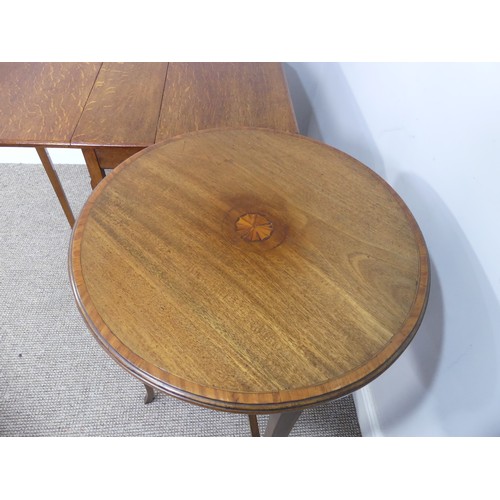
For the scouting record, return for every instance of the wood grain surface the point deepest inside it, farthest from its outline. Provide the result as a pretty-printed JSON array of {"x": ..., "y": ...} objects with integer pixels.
[
  {"x": 112, "y": 157},
  {"x": 42, "y": 102},
  {"x": 124, "y": 106},
  {"x": 210, "y": 95},
  {"x": 174, "y": 294}
]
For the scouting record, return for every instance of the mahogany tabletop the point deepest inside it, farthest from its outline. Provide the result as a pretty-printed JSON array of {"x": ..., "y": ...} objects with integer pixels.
[{"x": 249, "y": 270}]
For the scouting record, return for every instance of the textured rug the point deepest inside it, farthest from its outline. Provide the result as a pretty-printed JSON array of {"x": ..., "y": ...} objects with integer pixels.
[{"x": 55, "y": 380}]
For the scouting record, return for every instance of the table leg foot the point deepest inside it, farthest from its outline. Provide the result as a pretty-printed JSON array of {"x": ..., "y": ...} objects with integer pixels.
[
  {"x": 150, "y": 394},
  {"x": 254, "y": 425},
  {"x": 280, "y": 424}
]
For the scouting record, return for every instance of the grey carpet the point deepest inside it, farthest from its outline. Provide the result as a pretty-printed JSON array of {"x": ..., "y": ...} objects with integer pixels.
[{"x": 55, "y": 380}]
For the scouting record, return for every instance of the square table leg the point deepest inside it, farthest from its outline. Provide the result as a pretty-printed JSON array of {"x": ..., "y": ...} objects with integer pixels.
[
  {"x": 95, "y": 170},
  {"x": 56, "y": 184}
]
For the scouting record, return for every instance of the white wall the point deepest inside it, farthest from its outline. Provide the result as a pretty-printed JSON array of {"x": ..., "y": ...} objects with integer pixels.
[
  {"x": 432, "y": 131},
  {"x": 29, "y": 155}
]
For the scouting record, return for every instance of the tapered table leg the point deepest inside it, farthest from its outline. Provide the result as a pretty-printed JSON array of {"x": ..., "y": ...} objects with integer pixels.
[
  {"x": 150, "y": 394},
  {"x": 254, "y": 425},
  {"x": 280, "y": 424},
  {"x": 56, "y": 184}
]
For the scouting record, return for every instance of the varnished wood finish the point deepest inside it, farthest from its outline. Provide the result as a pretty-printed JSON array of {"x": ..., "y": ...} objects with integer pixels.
[
  {"x": 113, "y": 110},
  {"x": 124, "y": 106},
  {"x": 95, "y": 171},
  {"x": 174, "y": 294},
  {"x": 56, "y": 184},
  {"x": 254, "y": 227},
  {"x": 41, "y": 103},
  {"x": 254, "y": 425},
  {"x": 134, "y": 105},
  {"x": 210, "y": 95},
  {"x": 97, "y": 159},
  {"x": 112, "y": 157}
]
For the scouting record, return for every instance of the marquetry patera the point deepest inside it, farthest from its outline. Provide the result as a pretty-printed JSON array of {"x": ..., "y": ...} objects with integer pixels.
[
  {"x": 249, "y": 270},
  {"x": 254, "y": 227}
]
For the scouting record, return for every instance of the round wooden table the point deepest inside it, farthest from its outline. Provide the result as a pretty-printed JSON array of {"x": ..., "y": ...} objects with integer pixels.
[{"x": 249, "y": 270}]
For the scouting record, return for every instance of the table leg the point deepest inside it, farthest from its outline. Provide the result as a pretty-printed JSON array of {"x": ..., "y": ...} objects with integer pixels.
[
  {"x": 254, "y": 425},
  {"x": 280, "y": 424},
  {"x": 150, "y": 394},
  {"x": 56, "y": 184},
  {"x": 95, "y": 170}
]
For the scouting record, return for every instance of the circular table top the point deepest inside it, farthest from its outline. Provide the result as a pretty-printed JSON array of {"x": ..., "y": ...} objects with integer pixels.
[{"x": 249, "y": 270}]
